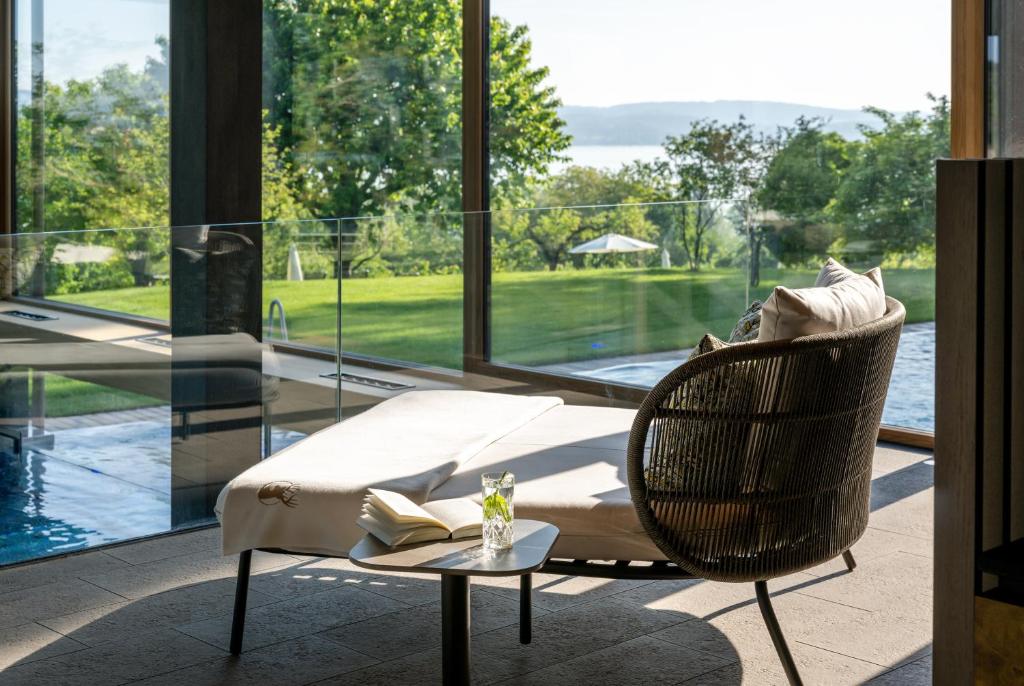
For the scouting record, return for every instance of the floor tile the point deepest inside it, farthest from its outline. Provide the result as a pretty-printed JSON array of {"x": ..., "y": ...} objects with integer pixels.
[
  {"x": 917, "y": 673},
  {"x": 57, "y": 569},
  {"x": 121, "y": 621},
  {"x": 284, "y": 620},
  {"x": 421, "y": 669},
  {"x": 115, "y": 663},
  {"x": 552, "y": 592},
  {"x": 311, "y": 576},
  {"x": 141, "y": 580},
  {"x": 899, "y": 584},
  {"x": 303, "y": 660},
  {"x": 29, "y": 642},
  {"x": 640, "y": 661},
  {"x": 876, "y": 543},
  {"x": 167, "y": 546},
  {"x": 572, "y": 632},
  {"x": 52, "y": 600},
  {"x": 418, "y": 628}
]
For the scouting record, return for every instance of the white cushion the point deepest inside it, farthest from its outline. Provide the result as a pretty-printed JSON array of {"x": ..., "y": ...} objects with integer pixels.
[
  {"x": 307, "y": 497},
  {"x": 840, "y": 300},
  {"x": 570, "y": 470}
]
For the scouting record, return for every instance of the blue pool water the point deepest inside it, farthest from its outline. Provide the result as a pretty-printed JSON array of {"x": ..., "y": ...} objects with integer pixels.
[
  {"x": 98, "y": 484},
  {"x": 911, "y": 400}
]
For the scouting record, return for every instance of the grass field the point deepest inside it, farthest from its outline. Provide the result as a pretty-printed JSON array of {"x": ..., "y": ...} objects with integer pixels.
[
  {"x": 69, "y": 397},
  {"x": 537, "y": 317}
]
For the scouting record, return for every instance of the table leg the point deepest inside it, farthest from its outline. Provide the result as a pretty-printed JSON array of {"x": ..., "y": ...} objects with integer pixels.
[
  {"x": 455, "y": 629},
  {"x": 525, "y": 608}
]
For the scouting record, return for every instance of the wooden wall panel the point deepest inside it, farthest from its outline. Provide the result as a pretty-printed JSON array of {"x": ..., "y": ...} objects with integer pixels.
[
  {"x": 998, "y": 652},
  {"x": 956, "y": 325},
  {"x": 992, "y": 306},
  {"x": 967, "y": 90},
  {"x": 1016, "y": 352}
]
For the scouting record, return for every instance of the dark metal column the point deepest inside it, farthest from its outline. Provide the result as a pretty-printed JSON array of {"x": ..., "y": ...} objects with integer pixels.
[
  {"x": 216, "y": 260},
  {"x": 476, "y": 182}
]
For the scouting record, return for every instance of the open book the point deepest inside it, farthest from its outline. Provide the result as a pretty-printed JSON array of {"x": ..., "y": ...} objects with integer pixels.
[{"x": 395, "y": 519}]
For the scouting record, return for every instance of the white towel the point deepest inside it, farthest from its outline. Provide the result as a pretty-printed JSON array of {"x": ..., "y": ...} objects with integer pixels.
[{"x": 306, "y": 498}]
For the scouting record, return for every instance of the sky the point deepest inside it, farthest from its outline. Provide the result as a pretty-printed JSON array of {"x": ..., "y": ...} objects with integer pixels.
[{"x": 887, "y": 53}]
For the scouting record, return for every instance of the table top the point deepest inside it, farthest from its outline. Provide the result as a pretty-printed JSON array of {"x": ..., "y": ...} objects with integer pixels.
[{"x": 464, "y": 556}]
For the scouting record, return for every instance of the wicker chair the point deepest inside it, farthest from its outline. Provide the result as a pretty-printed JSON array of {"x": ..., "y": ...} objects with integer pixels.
[{"x": 754, "y": 461}]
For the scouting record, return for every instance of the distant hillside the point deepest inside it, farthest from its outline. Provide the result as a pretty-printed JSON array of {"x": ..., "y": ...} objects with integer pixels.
[{"x": 648, "y": 123}]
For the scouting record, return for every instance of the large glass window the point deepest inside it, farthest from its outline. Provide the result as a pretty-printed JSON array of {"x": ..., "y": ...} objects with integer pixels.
[
  {"x": 363, "y": 104},
  {"x": 685, "y": 158},
  {"x": 92, "y": 114}
]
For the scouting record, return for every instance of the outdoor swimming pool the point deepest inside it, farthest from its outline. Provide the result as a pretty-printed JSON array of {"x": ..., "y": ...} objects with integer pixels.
[{"x": 911, "y": 401}]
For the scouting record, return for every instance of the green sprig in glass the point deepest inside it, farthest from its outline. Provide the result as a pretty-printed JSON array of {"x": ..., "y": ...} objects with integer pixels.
[{"x": 499, "y": 511}]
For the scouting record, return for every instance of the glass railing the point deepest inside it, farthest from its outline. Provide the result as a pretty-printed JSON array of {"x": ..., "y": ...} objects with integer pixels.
[
  {"x": 620, "y": 294},
  {"x": 141, "y": 369},
  {"x": 137, "y": 374}
]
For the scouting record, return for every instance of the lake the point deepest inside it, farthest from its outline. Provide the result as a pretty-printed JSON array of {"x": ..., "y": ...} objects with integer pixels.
[{"x": 607, "y": 156}]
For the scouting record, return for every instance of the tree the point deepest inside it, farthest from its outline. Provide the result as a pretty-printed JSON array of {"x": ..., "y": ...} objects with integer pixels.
[
  {"x": 797, "y": 194},
  {"x": 886, "y": 198},
  {"x": 712, "y": 166},
  {"x": 366, "y": 95},
  {"x": 107, "y": 166},
  {"x": 577, "y": 205}
]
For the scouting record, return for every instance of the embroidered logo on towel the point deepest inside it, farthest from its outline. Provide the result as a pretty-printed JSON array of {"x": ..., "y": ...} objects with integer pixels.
[{"x": 284, "y": 492}]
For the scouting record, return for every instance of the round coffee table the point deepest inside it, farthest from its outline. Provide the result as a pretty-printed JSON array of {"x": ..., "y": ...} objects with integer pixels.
[{"x": 456, "y": 561}]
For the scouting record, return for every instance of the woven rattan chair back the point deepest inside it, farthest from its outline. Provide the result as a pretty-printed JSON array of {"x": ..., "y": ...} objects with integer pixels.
[{"x": 754, "y": 461}]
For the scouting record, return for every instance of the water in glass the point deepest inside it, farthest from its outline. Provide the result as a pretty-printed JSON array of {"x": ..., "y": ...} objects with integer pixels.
[{"x": 499, "y": 511}]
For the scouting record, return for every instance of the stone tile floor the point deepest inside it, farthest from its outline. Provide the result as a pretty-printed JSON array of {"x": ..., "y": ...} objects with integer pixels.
[{"x": 159, "y": 611}]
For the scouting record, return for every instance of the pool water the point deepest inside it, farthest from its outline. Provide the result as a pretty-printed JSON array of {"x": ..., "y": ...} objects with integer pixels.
[
  {"x": 98, "y": 484},
  {"x": 911, "y": 399}
]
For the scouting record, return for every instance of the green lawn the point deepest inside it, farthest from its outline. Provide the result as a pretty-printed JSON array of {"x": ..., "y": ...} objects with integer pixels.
[
  {"x": 537, "y": 317},
  {"x": 69, "y": 397}
]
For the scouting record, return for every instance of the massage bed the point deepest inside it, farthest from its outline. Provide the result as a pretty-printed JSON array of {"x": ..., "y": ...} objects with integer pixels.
[{"x": 569, "y": 463}]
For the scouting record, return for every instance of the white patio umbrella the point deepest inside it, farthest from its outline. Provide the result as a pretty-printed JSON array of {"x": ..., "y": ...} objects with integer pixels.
[{"x": 612, "y": 243}]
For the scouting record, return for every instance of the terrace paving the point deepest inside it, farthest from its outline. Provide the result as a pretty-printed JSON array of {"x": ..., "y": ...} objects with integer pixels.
[{"x": 158, "y": 612}]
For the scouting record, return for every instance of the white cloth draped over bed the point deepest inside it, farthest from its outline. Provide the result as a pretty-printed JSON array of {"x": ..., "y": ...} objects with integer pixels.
[{"x": 306, "y": 498}]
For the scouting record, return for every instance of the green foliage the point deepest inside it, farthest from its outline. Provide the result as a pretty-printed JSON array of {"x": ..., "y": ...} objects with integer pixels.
[
  {"x": 886, "y": 198},
  {"x": 797, "y": 193},
  {"x": 91, "y": 276},
  {"x": 710, "y": 168},
  {"x": 804, "y": 174},
  {"x": 367, "y": 97},
  {"x": 577, "y": 205}
]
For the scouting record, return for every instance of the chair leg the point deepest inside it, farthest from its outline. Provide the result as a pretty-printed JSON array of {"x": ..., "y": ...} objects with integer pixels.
[
  {"x": 851, "y": 564},
  {"x": 525, "y": 608},
  {"x": 768, "y": 614},
  {"x": 241, "y": 595}
]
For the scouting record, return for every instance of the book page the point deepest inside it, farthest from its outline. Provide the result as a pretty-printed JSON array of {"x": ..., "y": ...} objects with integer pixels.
[
  {"x": 461, "y": 516},
  {"x": 399, "y": 509},
  {"x": 392, "y": 536}
]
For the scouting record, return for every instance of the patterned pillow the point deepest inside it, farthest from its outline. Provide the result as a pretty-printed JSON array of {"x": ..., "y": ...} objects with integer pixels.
[
  {"x": 748, "y": 326},
  {"x": 709, "y": 343}
]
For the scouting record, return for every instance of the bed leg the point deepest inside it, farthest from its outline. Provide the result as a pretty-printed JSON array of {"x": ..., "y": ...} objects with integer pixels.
[
  {"x": 525, "y": 608},
  {"x": 241, "y": 594}
]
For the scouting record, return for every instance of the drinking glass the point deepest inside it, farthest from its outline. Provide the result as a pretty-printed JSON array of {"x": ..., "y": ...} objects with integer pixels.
[{"x": 499, "y": 511}]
